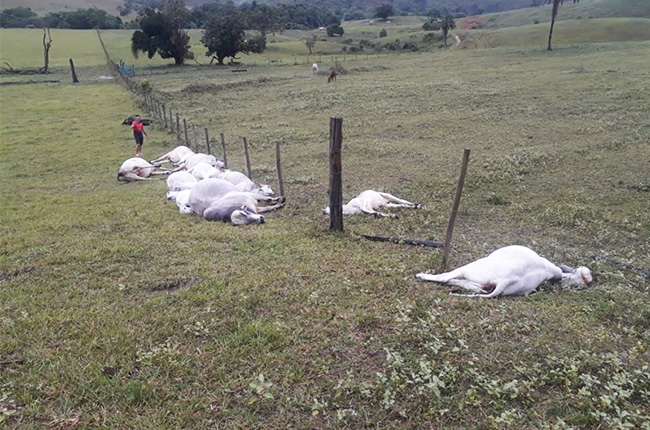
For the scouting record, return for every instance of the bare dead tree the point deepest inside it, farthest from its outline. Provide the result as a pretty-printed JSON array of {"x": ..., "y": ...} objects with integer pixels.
[{"x": 47, "y": 44}]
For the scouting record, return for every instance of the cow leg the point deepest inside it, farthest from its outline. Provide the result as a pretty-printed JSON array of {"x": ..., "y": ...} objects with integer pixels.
[
  {"x": 396, "y": 202},
  {"x": 377, "y": 214},
  {"x": 161, "y": 172},
  {"x": 262, "y": 209}
]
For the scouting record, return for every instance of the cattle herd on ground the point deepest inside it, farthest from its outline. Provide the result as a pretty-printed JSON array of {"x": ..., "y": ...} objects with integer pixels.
[{"x": 200, "y": 184}]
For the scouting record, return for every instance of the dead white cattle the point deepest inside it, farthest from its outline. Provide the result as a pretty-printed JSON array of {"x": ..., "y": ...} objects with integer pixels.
[
  {"x": 179, "y": 181},
  {"x": 174, "y": 156},
  {"x": 244, "y": 183},
  {"x": 314, "y": 68},
  {"x": 191, "y": 160},
  {"x": 208, "y": 198},
  {"x": 204, "y": 170},
  {"x": 510, "y": 271},
  {"x": 368, "y": 202},
  {"x": 182, "y": 199},
  {"x": 238, "y": 208},
  {"x": 138, "y": 169}
]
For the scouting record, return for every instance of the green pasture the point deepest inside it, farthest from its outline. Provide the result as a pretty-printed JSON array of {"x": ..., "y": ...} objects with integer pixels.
[
  {"x": 118, "y": 312},
  {"x": 586, "y": 9}
]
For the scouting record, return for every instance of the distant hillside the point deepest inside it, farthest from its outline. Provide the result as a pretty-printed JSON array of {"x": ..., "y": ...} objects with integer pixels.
[
  {"x": 586, "y": 9},
  {"x": 42, "y": 7},
  {"x": 411, "y": 6},
  {"x": 519, "y": 12}
]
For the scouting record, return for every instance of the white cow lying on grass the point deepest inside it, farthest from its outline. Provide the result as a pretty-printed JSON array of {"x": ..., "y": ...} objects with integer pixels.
[
  {"x": 174, "y": 156},
  {"x": 179, "y": 181},
  {"x": 205, "y": 170},
  {"x": 368, "y": 202},
  {"x": 138, "y": 169},
  {"x": 219, "y": 200},
  {"x": 244, "y": 183},
  {"x": 182, "y": 199},
  {"x": 509, "y": 271},
  {"x": 191, "y": 160}
]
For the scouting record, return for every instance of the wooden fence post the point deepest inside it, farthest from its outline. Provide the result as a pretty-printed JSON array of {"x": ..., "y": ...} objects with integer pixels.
[
  {"x": 454, "y": 210},
  {"x": 74, "y": 74},
  {"x": 187, "y": 139},
  {"x": 248, "y": 160},
  {"x": 171, "y": 120},
  {"x": 223, "y": 149},
  {"x": 164, "y": 115},
  {"x": 196, "y": 139},
  {"x": 336, "y": 183},
  {"x": 278, "y": 167},
  {"x": 178, "y": 126},
  {"x": 207, "y": 141}
]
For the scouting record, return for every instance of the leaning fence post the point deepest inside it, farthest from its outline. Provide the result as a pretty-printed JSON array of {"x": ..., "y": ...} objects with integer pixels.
[
  {"x": 248, "y": 160},
  {"x": 223, "y": 149},
  {"x": 207, "y": 141},
  {"x": 74, "y": 74},
  {"x": 164, "y": 115},
  {"x": 278, "y": 167},
  {"x": 336, "y": 183},
  {"x": 196, "y": 138},
  {"x": 454, "y": 210},
  {"x": 187, "y": 139}
]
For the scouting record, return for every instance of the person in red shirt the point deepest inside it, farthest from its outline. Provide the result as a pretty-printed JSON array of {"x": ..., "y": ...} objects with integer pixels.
[{"x": 138, "y": 134}]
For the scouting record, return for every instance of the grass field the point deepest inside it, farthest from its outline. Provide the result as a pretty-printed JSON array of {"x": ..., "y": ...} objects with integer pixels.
[{"x": 118, "y": 312}]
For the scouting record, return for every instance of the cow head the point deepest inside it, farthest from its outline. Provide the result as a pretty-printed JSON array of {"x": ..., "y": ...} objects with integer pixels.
[
  {"x": 244, "y": 216},
  {"x": 576, "y": 278}
]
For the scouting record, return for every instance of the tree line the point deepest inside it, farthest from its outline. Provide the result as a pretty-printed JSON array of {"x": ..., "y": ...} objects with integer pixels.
[
  {"x": 262, "y": 17},
  {"x": 82, "y": 19}
]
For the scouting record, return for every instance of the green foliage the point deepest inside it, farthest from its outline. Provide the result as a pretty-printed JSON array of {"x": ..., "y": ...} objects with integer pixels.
[
  {"x": 162, "y": 33},
  {"x": 335, "y": 30},
  {"x": 383, "y": 33},
  {"x": 19, "y": 17},
  {"x": 226, "y": 37},
  {"x": 384, "y": 11}
]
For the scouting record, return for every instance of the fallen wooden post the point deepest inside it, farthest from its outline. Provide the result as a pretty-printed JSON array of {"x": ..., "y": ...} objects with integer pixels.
[
  {"x": 417, "y": 242},
  {"x": 623, "y": 265}
]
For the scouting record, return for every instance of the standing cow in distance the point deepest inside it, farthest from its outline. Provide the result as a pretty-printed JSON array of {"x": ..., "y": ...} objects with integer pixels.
[{"x": 332, "y": 76}]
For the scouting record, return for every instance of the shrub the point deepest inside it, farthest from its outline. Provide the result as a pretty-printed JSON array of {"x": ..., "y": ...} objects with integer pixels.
[
  {"x": 410, "y": 46},
  {"x": 383, "y": 33}
]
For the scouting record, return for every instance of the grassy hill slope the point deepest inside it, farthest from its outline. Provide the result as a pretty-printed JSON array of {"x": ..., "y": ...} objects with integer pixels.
[{"x": 586, "y": 9}]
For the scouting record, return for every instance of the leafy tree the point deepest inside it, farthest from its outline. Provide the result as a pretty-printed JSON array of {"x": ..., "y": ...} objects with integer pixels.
[
  {"x": 310, "y": 41},
  {"x": 446, "y": 24},
  {"x": 335, "y": 29},
  {"x": 18, "y": 17},
  {"x": 263, "y": 18},
  {"x": 384, "y": 11},
  {"x": 556, "y": 6},
  {"x": 225, "y": 36},
  {"x": 162, "y": 33}
]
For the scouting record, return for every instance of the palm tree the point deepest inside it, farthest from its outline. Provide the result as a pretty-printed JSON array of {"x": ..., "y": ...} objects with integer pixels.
[
  {"x": 446, "y": 24},
  {"x": 556, "y": 6}
]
